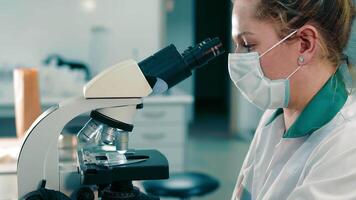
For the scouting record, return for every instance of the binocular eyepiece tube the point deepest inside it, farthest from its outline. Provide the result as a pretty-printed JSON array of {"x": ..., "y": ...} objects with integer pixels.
[{"x": 168, "y": 67}]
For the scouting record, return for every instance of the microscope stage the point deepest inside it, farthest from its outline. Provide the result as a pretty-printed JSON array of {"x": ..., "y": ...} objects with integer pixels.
[{"x": 141, "y": 165}]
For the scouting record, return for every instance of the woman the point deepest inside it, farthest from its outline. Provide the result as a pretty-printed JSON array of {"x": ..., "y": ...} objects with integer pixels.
[{"x": 289, "y": 62}]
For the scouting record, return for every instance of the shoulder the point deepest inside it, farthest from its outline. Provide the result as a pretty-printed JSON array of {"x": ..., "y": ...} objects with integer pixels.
[
  {"x": 339, "y": 146},
  {"x": 343, "y": 130},
  {"x": 330, "y": 169}
]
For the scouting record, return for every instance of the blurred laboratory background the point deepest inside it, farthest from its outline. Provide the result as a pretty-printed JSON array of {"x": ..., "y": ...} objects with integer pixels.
[{"x": 201, "y": 125}]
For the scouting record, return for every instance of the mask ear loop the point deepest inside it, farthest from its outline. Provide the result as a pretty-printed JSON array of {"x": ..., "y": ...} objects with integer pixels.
[
  {"x": 278, "y": 43},
  {"x": 300, "y": 60},
  {"x": 295, "y": 71}
]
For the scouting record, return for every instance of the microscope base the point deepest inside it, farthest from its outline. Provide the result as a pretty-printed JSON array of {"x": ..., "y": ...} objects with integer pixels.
[{"x": 124, "y": 190}]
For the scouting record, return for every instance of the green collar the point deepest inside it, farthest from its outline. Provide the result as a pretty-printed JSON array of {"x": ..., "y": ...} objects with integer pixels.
[{"x": 320, "y": 110}]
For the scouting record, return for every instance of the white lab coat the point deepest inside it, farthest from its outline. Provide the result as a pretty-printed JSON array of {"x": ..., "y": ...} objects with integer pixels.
[{"x": 319, "y": 166}]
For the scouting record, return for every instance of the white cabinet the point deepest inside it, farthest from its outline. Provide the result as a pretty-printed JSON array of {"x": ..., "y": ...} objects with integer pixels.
[
  {"x": 163, "y": 125},
  {"x": 8, "y": 187},
  {"x": 8, "y": 182}
]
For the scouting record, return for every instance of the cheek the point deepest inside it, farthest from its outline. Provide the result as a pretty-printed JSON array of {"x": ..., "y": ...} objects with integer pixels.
[
  {"x": 278, "y": 64},
  {"x": 271, "y": 67}
]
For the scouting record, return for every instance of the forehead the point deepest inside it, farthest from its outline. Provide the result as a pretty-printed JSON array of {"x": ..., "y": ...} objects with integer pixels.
[
  {"x": 246, "y": 7},
  {"x": 243, "y": 15}
]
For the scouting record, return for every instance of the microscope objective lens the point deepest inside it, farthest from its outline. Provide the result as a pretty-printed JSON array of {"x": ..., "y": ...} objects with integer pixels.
[
  {"x": 89, "y": 132},
  {"x": 108, "y": 135}
]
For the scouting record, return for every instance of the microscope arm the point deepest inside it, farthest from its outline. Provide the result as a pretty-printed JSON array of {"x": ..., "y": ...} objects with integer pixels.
[
  {"x": 38, "y": 158},
  {"x": 114, "y": 93},
  {"x": 122, "y": 80}
]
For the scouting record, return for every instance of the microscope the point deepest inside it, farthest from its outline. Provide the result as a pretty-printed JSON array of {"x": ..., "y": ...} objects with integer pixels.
[{"x": 104, "y": 159}]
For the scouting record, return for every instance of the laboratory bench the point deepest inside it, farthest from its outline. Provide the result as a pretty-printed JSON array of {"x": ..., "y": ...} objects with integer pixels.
[{"x": 162, "y": 124}]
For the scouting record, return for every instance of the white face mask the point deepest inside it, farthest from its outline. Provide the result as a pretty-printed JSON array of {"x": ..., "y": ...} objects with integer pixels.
[{"x": 246, "y": 73}]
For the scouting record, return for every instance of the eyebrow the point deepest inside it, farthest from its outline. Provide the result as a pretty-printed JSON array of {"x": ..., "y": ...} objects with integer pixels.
[
  {"x": 236, "y": 38},
  {"x": 244, "y": 33}
]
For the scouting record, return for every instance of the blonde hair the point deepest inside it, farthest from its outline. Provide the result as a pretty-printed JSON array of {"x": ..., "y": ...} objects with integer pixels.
[{"x": 333, "y": 18}]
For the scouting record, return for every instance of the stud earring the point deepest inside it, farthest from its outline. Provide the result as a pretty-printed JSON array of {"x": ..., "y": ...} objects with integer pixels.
[{"x": 301, "y": 59}]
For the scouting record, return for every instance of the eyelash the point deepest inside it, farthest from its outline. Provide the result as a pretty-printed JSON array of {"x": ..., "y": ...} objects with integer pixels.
[{"x": 248, "y": 47}]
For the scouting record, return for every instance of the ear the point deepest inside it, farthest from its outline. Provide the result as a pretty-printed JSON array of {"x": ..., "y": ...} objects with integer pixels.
[{"x": 308, "y": 36}]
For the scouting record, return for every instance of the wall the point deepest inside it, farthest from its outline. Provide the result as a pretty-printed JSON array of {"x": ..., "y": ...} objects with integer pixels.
[
  {"x": 97, "y": 32},
  {"x": 115, "y": 30},
  {"x": 351, "y": 50}
]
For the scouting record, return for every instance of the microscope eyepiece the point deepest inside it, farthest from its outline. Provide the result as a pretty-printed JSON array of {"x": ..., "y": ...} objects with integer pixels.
[
  {"x": 168, "y": 67},
  {"x": 204, "y": 52}
]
